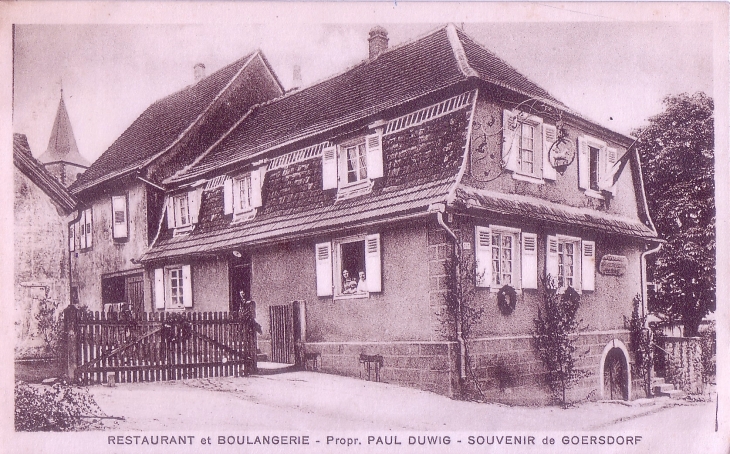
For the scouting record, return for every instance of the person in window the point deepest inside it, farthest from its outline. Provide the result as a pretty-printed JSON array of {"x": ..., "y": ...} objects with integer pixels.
[
  {"x": 349, "y": 285},
  {"x": 362, "y": 286}
]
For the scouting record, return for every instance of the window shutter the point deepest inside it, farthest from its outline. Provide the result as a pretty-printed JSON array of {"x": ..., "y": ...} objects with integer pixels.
[
  {"x": 551, "y": 258},
  {"x": 584, "y": 164},
  {"x": 119, "y": 216},
  {"x": 89, "y": 228},
  {"x": 373, "y": 263},
  {"x": 194, "y": 205},
  {"x": 187, "y": 287},
  {"x": 329, "y": 168},
  {"x": 159, "y": 288},
  {"x": 72, "y": 237},
  {"x": 549, "y": 136},
  {"x": 323, "y": 257},
  {"x": 588, "y": 265},
  {"x": 374, "y": 151},
  {"x": 510, "y": 146},
  {"x": 529, "y": 260},
  {"x": 82, "y": 230},
  {"x": 170, "y": 212},
  {"x": 228, "y": 196},
  {"x": 257, "y": 182},
  {"x": 611, "y": 158},
  {"x": 483, "y": 256}
]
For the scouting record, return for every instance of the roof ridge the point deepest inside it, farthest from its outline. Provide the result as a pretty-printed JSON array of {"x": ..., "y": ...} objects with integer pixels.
[{"x": 461, "y": 59}]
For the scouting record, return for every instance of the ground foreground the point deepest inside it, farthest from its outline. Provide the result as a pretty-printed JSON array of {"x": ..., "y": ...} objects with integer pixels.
[{"x": 326, "y": 408}]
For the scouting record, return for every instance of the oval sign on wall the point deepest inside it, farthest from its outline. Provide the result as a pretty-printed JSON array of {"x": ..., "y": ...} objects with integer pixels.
[{"x": 613, "y": 265}]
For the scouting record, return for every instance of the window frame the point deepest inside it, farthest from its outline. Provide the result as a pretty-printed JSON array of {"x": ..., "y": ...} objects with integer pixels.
[
  {"x": 337, "y": 266},
  {"x": 176, "y": 199},
  {"x": 169, "y": 305},
  {"x": 602, "y": 147},
  {"x": 577, "y": 262},
  {"x": 120, "y": 238},
  {"x": 238, "y": 206},
  {"x": 516, "y": 256},
  {"x": 514, "y": 138}
]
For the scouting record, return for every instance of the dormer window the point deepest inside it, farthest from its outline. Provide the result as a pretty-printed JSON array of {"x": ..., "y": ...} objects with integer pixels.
[
  {"x": 352, "y": 165},
  {"x": 182, "y": 210},
  {"x": 595, "y": 161},
  {"x": 526, "y": 142},
  {"x": 242, "y": 194}
]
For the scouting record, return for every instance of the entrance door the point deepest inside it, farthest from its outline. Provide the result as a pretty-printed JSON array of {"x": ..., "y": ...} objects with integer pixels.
[
  {"x": 239, "y": 275},
  {"x": 615, "y": 375},
  {"x": 281, "y": 327}
]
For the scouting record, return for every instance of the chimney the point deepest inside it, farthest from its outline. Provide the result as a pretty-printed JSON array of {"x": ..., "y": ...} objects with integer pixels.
[
  {"x": 378, "y": 41},
  {"x": 199, "y": 71},
  {"x": 297, "y": 78}
]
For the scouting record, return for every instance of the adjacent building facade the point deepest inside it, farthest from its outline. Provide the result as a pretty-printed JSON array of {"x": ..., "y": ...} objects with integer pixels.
[{"x": 354, "y": 195}]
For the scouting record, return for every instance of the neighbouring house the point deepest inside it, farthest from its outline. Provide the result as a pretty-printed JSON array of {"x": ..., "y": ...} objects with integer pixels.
[
  {"x": 349, "y": 196},
  {"x": 120, "y": 196},
  {"x": 41, "y": 211},
  {"x": 62, "y": 158}
]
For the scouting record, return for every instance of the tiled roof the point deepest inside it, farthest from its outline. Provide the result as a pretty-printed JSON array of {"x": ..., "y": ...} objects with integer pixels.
[
  {"x": 162, "y": 124},
  {"x": 420, "y": 166},
  {"x": 397, "y": 76},
  {"x": 24, "y": 161},
  {"x": 62, "y": 144},
  {"x": 534, "y": 209}
]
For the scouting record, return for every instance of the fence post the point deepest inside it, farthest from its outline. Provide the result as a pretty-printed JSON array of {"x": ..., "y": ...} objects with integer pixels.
[{"x": 70, "y": 325}]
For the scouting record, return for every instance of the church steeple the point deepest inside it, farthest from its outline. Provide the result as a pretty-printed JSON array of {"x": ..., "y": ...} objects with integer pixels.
[{"x": 62, "y": 157}]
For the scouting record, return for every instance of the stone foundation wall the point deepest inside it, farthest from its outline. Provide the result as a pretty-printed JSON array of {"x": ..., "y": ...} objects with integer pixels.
[
  {"x": 430, "y": 366},
  {"x": 684, "y": 363}
]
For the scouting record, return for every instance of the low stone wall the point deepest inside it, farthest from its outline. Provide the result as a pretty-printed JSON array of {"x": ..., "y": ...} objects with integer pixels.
[
  {"x": 506, "y": 368},
  {"x": 683, "y": 363},
  {"x": 429, "y": 366}
]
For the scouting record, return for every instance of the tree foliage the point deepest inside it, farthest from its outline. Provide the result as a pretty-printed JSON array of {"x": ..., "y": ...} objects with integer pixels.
[{"x": 677, "y": 155}]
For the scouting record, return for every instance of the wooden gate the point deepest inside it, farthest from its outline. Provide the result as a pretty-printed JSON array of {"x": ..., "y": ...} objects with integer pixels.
[
  {"x": 282, "y": 333},
  {"x": 159, "y": 346},
  {"x": 135, "y": 294}
]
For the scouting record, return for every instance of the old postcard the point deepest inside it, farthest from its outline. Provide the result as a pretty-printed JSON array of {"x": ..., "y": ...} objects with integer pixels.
[{"x": 365, "y": 227}]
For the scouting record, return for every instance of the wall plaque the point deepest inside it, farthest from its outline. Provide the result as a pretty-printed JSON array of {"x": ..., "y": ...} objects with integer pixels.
[{"x": 613, "y": 265}]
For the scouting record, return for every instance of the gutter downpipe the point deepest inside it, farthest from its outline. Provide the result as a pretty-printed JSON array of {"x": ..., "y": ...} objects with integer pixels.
[{"x": 439, "y": 209}]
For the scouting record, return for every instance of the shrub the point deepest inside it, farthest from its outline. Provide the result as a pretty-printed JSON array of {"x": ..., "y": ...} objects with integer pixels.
[
  {"x": 708, "y": 342},
  {"x": 56, "y": 408},
  {"x": 640, "y": 343},
  {"x": 49, "y": 325}
]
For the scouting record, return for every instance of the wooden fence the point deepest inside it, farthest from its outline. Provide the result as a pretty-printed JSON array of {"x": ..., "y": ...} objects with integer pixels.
[{"x": 159, "y": 346}]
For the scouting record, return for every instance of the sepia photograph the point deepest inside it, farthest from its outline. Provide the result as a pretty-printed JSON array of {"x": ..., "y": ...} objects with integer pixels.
[{"x": 365, "y": 227}]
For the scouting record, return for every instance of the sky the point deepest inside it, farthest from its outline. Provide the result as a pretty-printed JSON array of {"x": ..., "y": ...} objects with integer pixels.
[{"x": 615, "y": 73}]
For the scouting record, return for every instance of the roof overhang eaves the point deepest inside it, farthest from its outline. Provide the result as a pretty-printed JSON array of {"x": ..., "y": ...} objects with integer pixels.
[{"x": 84, "y": 187}]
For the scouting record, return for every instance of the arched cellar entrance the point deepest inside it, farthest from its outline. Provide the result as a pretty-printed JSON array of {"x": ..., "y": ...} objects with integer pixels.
[{"x": 615, "y": 376}]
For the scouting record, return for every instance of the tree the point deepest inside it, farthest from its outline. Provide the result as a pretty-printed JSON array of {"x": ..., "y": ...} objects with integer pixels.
[{"x": 677, "y": 156}]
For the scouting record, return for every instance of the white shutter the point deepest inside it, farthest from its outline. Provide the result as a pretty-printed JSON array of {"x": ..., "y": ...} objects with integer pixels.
[
  {"x": 373, "y": 263},
  {"x": 588, "y": 265},
  {"x": 529, "y": 260},
  {"x": 89, "y": 228},
  {"x": 170, "y": 212},
  {"x": 82, "y": 230},
  {"x": 510, "y": 140},
  {"x": 159, "y": 288},
  {"x": 323, "y": 258},
  {"x": 119, "y": 216},
  {"x": 551, "y": 258},
  {"x": 483, "y": 256},
  {"x": 374, "y": 152},
  {"x": 257, "y": 182},
  {"x": 227, "y": 196},
  {"x": 72, "y": 237},
  {"x": 584, "y": 164},
  {"x": 194, "y": 204},
  {"x": 549, "y": 136},
  {"x": 187, "y": 287},
  {"x": 611, "y": 158},
  {"x": 329, "y": 168}
]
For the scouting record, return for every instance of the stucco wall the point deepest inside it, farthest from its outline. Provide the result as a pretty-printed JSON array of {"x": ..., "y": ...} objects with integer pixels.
[
  {"x": 282, "y": 274},
  {"x": 108, "y": 255},
  {"x": 210, "y": 285},
  {"x": 40, "y": 258}
]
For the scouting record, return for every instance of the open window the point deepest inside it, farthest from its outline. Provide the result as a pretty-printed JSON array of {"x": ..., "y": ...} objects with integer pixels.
[
  {"x": 595, "y": 166},
  {"x": 526, "y": 141},
  {"x": 173, "y": 287},
  {"x": 352, "y": 166},
  {"x": 349, "y": 267}
]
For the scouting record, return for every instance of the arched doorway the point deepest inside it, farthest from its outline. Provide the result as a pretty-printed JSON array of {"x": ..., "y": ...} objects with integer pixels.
[{"x": 615, "y": 375}]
